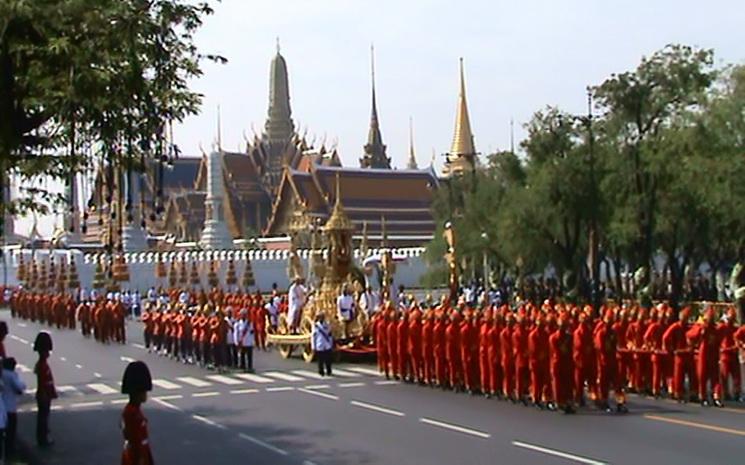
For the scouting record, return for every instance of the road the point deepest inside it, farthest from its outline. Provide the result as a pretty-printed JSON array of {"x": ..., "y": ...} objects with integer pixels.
[{"x": 286, "y": 415}]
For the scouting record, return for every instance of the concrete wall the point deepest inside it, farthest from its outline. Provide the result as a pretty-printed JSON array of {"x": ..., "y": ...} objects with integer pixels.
[{"x": 269, "y": 266}]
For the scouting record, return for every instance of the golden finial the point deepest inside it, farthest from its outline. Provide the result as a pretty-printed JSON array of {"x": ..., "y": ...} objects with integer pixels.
[{"x": 463, "y": 137}]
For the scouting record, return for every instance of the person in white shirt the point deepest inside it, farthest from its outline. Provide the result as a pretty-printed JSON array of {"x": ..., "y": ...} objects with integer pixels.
[
  {"x": 244, "y": 334},
  {"x": 13, "y": 387},
  {"x": 136, "y": 302},
  {"x": 369, "y": 302},
  {"x": 322, "y": 343},
  {"x": 230, "y": 339},
  {"x": 345, "y": 308},
  {"x": 296, "y": 301},
  {"x": 272, "y": 309}
]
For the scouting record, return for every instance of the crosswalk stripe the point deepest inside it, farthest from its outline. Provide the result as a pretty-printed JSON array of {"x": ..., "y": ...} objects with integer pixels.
[
  {"x": 307, "y": 374},
  {"x": 71, "y": 389},
  {"x": 102, "y": 388},
  {"x": 364, "y": 371},
  {"x": 196, "y": 382},
  {"x": 224, "y": 379},
  {"x": 23, "y": 368},
  {"x": 282, "y": 376},
  {"x": 165, "y": 384},
  {"x": 254, "y": 378},
  {"x": 344, "y": 373}
]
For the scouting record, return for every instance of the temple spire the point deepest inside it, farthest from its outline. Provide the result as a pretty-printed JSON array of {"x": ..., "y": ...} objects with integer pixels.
[
  {"x": 462, "y": 153},
  {"x": 374, "y": 156},
  {"x": 279, "y": 126},
  {"x": 412, "y": 164}
]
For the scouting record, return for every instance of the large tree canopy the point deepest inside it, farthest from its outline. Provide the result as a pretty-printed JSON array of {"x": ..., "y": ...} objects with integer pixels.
[
  {"x": 88, "y": 80},
  {"x": 656, "y": 173}
]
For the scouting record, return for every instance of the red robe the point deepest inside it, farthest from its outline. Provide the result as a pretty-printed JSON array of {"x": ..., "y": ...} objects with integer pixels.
[
  {"x": 520, "y": 355},
  {"x": 674, "y": 340},
  {"x": 469, "y": 354},
  {"x": 653, "y": 343},
  {"x": 706, "y": 338},
  {"x": 560, "y": 347},
  {"x": 438, "y": 349},
  {"x": 729, "y": 365},
  {"x": 136, "y": 444},
  {"x": 585, "y": 362},
  {"x": 428, "y": 355},
  {"x": 539, "y": 364},
  {"x": 508, "y": 361},
  {"x": 415, "y": 345},
  {"x": 452, "y": 353}
]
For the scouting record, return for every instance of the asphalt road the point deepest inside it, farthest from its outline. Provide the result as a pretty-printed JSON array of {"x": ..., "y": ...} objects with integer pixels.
[{"x": 288, "y": 416}]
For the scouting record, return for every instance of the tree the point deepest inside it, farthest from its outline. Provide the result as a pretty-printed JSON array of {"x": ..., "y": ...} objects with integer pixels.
[{"x": 89, "y": 82}]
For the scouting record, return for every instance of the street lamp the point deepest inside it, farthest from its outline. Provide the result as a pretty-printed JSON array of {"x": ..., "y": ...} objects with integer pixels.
[{"x": 485, "y": 258}]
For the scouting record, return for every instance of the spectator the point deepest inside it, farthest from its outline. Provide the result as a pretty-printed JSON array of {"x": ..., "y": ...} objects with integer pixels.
[
  {"x": 322, "y": 343},
  {"x": 13, "y": 387}
]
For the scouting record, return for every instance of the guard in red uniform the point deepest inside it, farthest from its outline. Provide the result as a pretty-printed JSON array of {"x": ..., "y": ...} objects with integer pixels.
[
  {"x": 560, "y": 347},
  {"x": 439, "y": 344},
  {"x": 136, "y": 383},
  {"x": 494, "y": 357},
  {"x": 452, "y": 351},
  {"x": 606, "y": 345},
  {"x": 485, "y": 368},
  {"x": 674, "y": 341},
  {"x": 45, "y": 390},
  {"x": 402, "y": 339},
  {"x": 415, "y": 345},
  {"x": 539, "y": 362},
  {"x": 508, "y": 358},
  {"x": 705, "y": 337},
  {"x": 585, "y": 361},
  {"x": 520, "y": 356},
  {"x": 641, "y": 357},
  {"x": 729, "y": 365},
  {"x": 381, "y": 341},
  {"x": 428, "y": 353},
  {"x": 468, "y": 339},
  {"x": 392, "y": 340},
  {"x": 653, "y": 343},
  {"x": 625, "y": 356}
]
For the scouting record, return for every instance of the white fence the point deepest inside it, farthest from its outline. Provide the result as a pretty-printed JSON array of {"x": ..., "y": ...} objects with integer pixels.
[{"x": 269, "y": 266}]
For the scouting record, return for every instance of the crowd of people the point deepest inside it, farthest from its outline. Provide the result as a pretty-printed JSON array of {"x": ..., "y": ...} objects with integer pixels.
[{"x": 558, "y": 356}]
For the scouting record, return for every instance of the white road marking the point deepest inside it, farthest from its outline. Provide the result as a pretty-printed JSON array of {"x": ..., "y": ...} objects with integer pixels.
[
  {"x": 102, "y": 388},
  {"x": 224, "y": 379},
  {"x": 206, "y": 394},
  {"x": 377, "y": 408},
  {"x": 344, "y": 373},
  {"x": 263, "y": 444},
  {"x": 165, "y": 384},
  {"x": 557, "y": 453},
  {"x": 139, "y": 346},
  {"x": 123, "y": 400},
  {"x": 126, "y": 359},
  {"x": 207, "y": 421},
  {"x": 63, "y": 359},
  {"x": 19, "y": 339},
  {"x": 307, "y": 374},
  {"x": 78, "y": 366},
  {"x": 167, "y": 405},
  {"x": 280, "y": 389},
  {"x": 244, "y": 391},
  {"x": 365, "y": 371},
  {"x": 22, "y": 325},
  {"x": 349, "y": 385},
  {"x": 71, "y": 389},
  {"x": 56, "y": 407},
  {"x": 308, "y": 462},
  {"x": 97, "y": 374},
  {"x": 254, "y": 378},
  {"x": 282, "y": 376},
  {"x": 86, "y": 404},
  {"x": 319, "y": 394},
  {"x": 460, "y": 429},
  {"x": 317, "y": 386},
  {"x": 173, "y": 397},
  {"x": 387, "y": 382},
  {"x": 23, "y": 368},
  {"x": 196, "y": 382}
]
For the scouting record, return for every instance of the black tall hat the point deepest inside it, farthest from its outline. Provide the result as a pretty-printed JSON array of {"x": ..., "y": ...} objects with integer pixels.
[
  {"x": 3, "y": 328},
  {"x": 136, "y": 378},
  {"x": 43, "y": 342}
]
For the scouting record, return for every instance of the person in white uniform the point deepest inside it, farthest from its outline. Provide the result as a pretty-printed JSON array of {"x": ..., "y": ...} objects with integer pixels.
[
  {"x": 13, "y": 387},
  {"x": 296, "y": 300},
  {"x": 345, "y": 308}
]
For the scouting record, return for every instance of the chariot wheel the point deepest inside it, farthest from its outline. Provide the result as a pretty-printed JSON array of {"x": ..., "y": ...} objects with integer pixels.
[{"x": 306, "y": 328}]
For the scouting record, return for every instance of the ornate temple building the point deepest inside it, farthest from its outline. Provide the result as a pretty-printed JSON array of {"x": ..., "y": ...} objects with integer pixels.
[{"x": 281, "y": 180}]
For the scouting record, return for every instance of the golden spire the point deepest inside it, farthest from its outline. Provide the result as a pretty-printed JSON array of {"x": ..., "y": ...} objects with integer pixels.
[
  {"x": 463, "y": 137},
  {"x": 338, "y": 219},
  {"x": 412, "y": 165}
]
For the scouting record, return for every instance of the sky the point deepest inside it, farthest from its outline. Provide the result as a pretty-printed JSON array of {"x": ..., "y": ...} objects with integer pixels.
[{"x": 519, "y": 57}]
